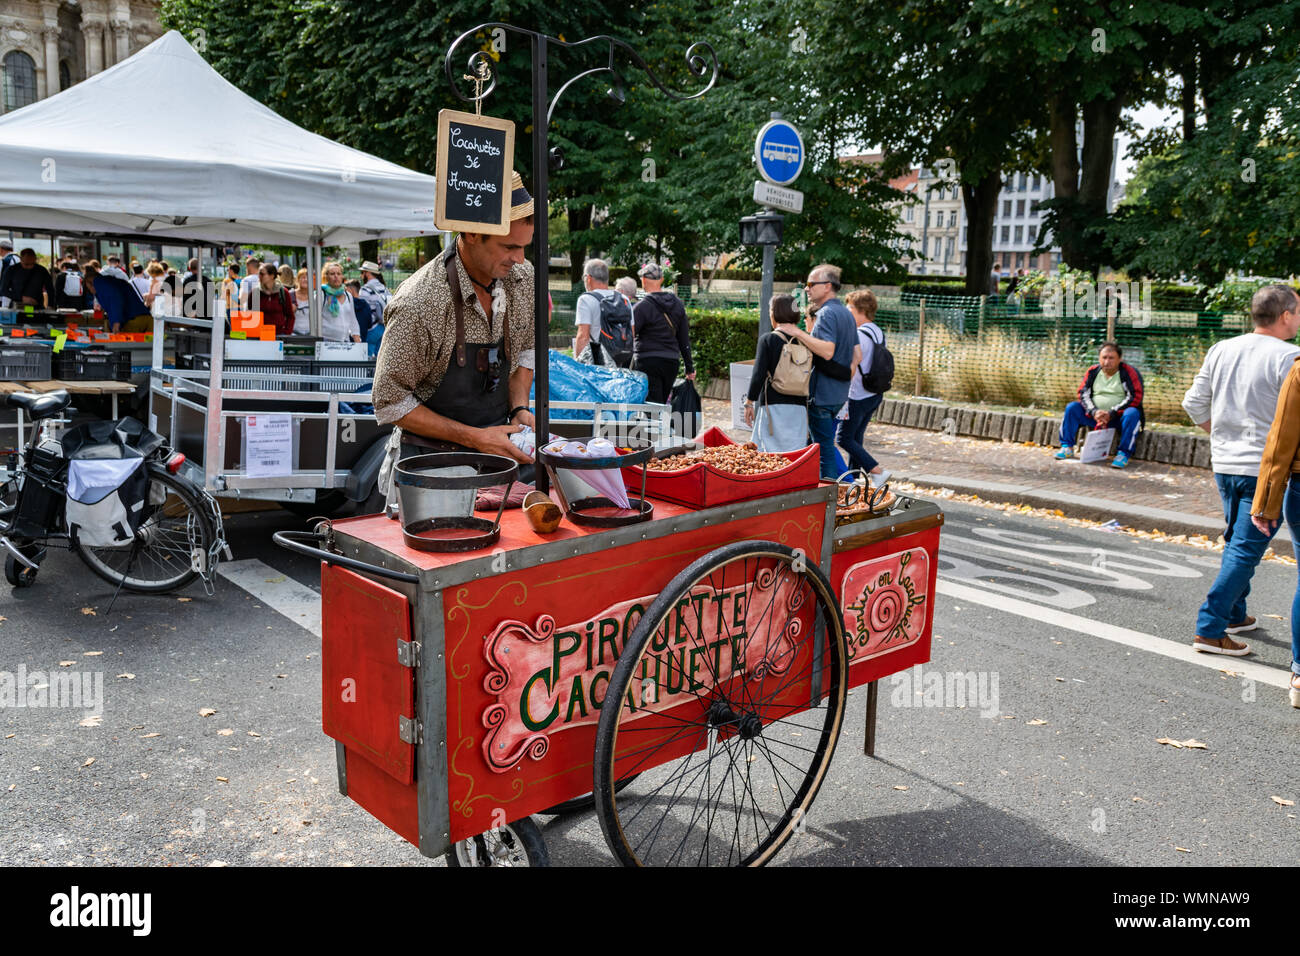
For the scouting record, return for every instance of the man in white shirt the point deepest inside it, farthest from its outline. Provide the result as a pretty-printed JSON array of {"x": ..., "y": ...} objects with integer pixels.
[
  {"x": 598, "y": 294},
  {"x": 249, "y": 283},
  {"x": 1233, "y": 397}
]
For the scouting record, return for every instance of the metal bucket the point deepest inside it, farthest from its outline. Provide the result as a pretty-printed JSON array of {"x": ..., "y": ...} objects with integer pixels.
[{"x": 435, "y": 499}]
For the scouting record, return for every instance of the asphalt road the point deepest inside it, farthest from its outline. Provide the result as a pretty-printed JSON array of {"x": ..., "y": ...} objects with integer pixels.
[{"x": 1055, "y": 763}]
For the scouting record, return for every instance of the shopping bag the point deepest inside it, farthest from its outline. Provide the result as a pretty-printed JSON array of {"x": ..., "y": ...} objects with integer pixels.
[
  {"x": 1096, "y": 446},
  {"x": 687, "y": 408}
]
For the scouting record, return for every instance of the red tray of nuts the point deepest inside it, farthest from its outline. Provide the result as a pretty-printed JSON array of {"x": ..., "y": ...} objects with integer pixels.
[{"x": 723, "y": 472}]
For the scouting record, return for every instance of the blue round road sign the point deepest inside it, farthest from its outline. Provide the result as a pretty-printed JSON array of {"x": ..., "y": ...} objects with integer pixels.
[{"x": 778, "y": 151}]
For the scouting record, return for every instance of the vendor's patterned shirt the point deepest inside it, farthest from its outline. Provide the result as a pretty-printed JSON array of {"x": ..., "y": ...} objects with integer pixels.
[{"x": 420, "y": 333}]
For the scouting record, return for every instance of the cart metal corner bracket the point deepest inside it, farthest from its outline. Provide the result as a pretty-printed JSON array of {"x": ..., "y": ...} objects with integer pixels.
[
  {"x": 408, "y": 653},
  {"x": 341, "y": 758},
  {"x": 408, "y": 729}
]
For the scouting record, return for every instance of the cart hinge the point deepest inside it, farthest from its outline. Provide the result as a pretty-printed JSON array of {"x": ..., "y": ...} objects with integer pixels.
[
  {"x": 408, "y": 653},
  {"x": 408, "y": 728}
]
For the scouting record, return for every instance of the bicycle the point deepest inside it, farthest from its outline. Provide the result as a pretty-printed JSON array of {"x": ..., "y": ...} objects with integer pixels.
[{"x": 179, "y": 535}]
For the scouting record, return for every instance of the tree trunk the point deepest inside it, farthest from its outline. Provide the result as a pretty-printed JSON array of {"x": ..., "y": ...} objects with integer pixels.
[
  {"x": 1100, "y": 119},
  {"x": 579, "y": 221},
  {"x": 1065, "y": 172},
  {"x": 981, "y": 202},
  {"x": 1188, "y": 100}
]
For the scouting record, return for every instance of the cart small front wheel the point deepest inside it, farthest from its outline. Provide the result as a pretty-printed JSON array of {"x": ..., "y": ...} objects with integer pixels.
[
  {"x": 17, "y": 574},
  {"x": 515, "y": 844},
  {"x": 727, "y": 700}
]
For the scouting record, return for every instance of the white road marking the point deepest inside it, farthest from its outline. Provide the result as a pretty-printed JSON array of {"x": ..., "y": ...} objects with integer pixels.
[
  {"x": 1273, "y": 676},
  {"x": 276, "y": 590}
]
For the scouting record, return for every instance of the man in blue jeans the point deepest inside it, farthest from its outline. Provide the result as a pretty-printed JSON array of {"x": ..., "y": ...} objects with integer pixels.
[
  {"x": 833, "y": 343},
  {"x": 1234, "y": 397}
]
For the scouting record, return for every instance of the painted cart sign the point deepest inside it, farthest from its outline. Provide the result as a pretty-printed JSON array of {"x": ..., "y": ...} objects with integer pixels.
[{"x": 885, "y": 603}]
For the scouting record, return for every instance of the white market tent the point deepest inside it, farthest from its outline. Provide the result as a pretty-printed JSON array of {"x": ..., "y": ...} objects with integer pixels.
[{"x": 215, "y": 165}]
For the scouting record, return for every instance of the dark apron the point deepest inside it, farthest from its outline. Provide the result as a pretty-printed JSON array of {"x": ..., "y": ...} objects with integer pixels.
[{"x": 466, "y": 394}]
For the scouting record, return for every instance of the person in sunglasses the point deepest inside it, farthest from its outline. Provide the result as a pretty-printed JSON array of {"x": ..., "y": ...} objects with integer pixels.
[{"x": 456, "y": 362}]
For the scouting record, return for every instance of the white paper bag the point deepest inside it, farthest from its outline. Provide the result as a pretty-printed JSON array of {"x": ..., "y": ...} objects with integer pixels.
[{"x": 1096, "y": 445}]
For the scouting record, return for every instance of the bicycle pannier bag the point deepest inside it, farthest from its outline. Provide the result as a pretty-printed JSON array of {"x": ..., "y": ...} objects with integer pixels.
[{"x": 106, "y": 500}]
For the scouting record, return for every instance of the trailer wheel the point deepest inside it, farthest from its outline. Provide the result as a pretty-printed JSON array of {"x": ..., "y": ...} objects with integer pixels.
[
  {"x": 515, "y": 844},
  {"x": 731, "y": 729}
]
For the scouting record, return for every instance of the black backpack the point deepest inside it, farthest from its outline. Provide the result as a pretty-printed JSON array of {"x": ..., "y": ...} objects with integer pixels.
[
  {"x": 615, "y": 326},
  {"x": 880, "y": 376}
]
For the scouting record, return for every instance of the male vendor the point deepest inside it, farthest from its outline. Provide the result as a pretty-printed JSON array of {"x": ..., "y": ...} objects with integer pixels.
[{"x": 458, "y": 378}]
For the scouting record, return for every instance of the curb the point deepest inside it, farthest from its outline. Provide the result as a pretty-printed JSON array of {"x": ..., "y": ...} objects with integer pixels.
[{"x": 1137, "y": 517}]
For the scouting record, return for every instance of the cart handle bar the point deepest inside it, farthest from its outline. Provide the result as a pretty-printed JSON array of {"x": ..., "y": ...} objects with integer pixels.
[{"x": 295, "y": 541}]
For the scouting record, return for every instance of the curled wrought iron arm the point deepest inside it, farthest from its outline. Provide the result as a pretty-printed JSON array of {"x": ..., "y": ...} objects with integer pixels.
[{"x": 701, "y": 60}]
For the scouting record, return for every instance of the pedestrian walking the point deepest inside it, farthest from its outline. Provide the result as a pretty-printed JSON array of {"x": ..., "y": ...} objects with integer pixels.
[
  {"x": 776, "y": 406},
  {"x": 662, "y": 334},
  {"x": 862, "y": 403},
  {"x": 1234, "y": 397}
]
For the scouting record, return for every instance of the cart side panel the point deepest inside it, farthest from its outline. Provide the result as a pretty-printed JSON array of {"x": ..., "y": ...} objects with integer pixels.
[
  {"x": 395, "y": 805},
  {"x": 364, "y": 687},
  {"x": 519, "y": 739},
  {"x": 887, "y": 591}
]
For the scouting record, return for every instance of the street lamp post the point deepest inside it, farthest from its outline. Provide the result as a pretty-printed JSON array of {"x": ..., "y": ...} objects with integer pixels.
[
  {"x": 482, "y": 65},
  {"x": 764, "y": 229}
]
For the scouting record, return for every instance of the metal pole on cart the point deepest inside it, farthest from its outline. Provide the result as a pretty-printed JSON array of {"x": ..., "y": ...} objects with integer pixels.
[{"x": 480, "y": 64}]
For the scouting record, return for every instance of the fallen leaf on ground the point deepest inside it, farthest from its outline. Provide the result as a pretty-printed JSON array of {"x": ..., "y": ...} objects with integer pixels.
[
  {"x": 10, "y": 736},
  {"x": 185, "y": 600},
  {"x": 1283, "y": 803},
  {"x": 1182, "y": 849},
  {"x": 207, "y": 711},
  {"x": 900, "y": 788},
  {"x": 147, "y": 736},
  {"x": 93, "y": 654},
  {"x": 88, "y": 610},
  {"x": 13, "y": 787},
  {"x": 1036, "y": 723},
  {"x": 254, "y": 733},
  {"x": 66, "y": 663},
  {"x": 1061, "y": 679},
  {"x": 1190, "y": 743},
  {"x": 89, "y": 761},
  {"x": 90, "y": 721},
  {"x": 226, "y": 732},
  {"x": 126, "y": 677},
  {"x": 223, "y": 780}
]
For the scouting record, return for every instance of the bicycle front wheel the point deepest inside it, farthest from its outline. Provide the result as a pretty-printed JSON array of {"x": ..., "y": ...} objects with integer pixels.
[
  {"x": 177, "y": 534},
  {"x": 726, "y": 702}
]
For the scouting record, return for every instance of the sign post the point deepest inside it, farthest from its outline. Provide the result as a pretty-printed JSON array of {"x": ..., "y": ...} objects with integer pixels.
[{"x": 779, "y": 155}]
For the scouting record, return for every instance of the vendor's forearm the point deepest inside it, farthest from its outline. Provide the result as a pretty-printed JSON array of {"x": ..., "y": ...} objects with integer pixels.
[
  {"x": 521, "y": 383},
  {"x": 423, "y": 421}
]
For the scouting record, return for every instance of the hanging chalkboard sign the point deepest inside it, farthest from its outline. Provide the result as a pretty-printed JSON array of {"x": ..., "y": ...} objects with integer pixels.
[{"x": 475, "y": 162}]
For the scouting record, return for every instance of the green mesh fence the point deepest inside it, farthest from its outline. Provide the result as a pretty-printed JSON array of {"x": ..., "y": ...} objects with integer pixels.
[{"x": 1003, "y": 352}]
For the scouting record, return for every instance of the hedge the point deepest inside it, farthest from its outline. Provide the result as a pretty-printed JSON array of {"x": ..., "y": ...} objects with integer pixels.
[{"x": 720, "y": 337}]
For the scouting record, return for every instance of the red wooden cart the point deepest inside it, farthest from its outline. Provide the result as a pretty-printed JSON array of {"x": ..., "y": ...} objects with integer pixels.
[{"x": 468, "y": 691}]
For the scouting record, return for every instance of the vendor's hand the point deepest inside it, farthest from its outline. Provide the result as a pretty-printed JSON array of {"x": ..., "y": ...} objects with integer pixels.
[
  {"x": 495, "y": 440},
  {"x": 1264, "y": 525},
  {"x": 1102, "y": 418},
  {"x": 749, "y": 416},
  {"x": 524, "y": 417}
]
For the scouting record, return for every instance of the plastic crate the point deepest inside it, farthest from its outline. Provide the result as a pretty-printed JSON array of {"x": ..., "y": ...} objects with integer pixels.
[
  {"x": 93, "y": 365},
  {"x": 343, "y": 376},
  {"x": 25, "y": 361},
  {"x": 289, "y": 374},
  {"x": 703, "y": 486}
]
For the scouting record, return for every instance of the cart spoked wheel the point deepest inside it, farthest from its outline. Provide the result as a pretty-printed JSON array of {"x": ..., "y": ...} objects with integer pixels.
[
  {"x": 515, "y": 844},
  {"x": 731, "y": 693}
]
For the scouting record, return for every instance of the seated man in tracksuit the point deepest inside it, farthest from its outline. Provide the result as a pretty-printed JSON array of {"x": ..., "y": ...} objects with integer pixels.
[{"x": 1110, "y": 397}]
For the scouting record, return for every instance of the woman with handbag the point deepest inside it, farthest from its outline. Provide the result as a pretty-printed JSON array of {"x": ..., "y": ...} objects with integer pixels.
[
  {"x": 661, "y": 335},
  {"x": 776, "y": 406}
]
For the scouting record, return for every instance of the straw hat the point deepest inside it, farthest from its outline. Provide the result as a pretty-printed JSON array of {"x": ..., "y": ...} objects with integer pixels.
[{"x": 521, "y": 203}]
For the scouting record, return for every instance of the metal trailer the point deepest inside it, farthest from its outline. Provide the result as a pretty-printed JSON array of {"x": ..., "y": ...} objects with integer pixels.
[
  {"x": 337, "y": 453},
  {"x": 468, "y": 691}
]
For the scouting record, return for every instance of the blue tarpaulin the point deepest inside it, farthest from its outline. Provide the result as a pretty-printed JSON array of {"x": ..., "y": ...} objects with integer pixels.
[{"x": 572, "y": 381}]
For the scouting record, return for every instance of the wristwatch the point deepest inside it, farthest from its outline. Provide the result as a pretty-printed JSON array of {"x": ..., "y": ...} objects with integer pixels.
[{"x": 515, "y": 411}]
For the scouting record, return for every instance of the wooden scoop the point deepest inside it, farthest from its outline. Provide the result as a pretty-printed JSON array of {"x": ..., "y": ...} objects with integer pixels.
[{"x": 543, "y": 513}]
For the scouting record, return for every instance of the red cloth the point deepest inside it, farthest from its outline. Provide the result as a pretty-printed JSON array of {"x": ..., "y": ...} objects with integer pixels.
[{"x": 489, "y": 499}]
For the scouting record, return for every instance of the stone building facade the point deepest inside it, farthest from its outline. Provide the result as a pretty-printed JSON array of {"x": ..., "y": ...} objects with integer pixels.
[{"x": 48, "y": 45}]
